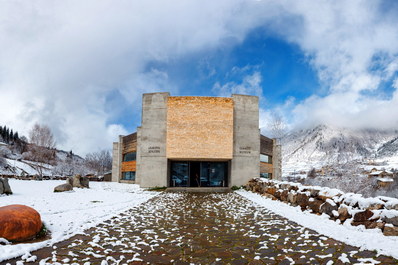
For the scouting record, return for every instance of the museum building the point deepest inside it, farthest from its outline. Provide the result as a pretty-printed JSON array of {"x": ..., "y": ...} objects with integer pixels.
[{"x": 189, "y": 141}]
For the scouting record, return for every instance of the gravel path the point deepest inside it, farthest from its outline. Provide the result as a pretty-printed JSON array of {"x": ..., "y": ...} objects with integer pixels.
[{"x": 206, "y": 228}]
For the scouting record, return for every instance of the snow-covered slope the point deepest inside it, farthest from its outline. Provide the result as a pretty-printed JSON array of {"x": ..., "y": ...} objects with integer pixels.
[{"x": 326, "y": 145}]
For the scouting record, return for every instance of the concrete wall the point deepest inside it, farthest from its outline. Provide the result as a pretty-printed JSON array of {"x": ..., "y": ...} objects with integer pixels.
[
  {"x": 151, "y": 141},
  {"x": 200, "y": 128},
  {"x": 277, "y": 160},
  {"x": 116, "y": 161},
  {"x": 246, "y": 156}
]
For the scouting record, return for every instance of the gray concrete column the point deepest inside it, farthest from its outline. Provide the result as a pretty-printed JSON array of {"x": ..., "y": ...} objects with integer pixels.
[
  {"x": 117, "y": 160},
  {"x": 246, "y": 154},
  {"x": 151, "y": 141},
  {"x": 276, "y": 160}
]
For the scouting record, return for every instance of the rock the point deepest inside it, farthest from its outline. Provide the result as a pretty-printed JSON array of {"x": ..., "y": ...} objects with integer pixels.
[
  {"x": 270, "y": 190},
  {"x": 84, "y": 181},
  {"x": 392, "y": 220},
  {"x": 328, "y": 208},
  {"x": 363, "y": 216},
  {"x": 63, "y": 187},
  {"x": 313, "y": 192},
  {"x": 343, "y": 213},
  {"x": 390, "y": 231},
  {"x": 392, "y": 206},
  {"x": 76, "y": 181},
  {"x": 269, "y": 196},
  {"x": 302, "y": 200},
  {"x": 292, "y": 198},
  {"x": 315, "y": 205},
  {"x": 69, "y": 180},
  {"x": 284, "y": 195},
  {"x": 375, "y": 206},
  {"x": 285, "y": 186},
  {"x": 5, "y": 186},
  {"x": 19, "y": 222},
  {"x": 372, "y": 225}
]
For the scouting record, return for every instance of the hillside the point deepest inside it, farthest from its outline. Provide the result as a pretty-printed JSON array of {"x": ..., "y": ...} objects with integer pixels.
[
  {"x": 326, "y": 145},
  {"x": 12, "y": 162}
]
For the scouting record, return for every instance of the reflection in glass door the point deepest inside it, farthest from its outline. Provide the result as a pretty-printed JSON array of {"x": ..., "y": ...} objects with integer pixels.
[
  {"x": 179, "y": 174},
  {"x": 213, "y": 174}
]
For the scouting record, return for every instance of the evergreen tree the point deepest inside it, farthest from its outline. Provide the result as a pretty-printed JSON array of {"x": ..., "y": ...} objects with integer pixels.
[
  {"x": 16, "y": 137},
  {"x": 7, "y": 135},
  {"x": 11, "y": 137}
]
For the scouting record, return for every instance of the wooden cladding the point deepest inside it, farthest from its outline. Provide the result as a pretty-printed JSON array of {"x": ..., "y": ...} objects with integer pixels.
[
  {"x": 130, "y": 143},
  {"x": 129, "y": 166},
  {"x": 199, "y": 128},
  {"x": 265, "y": 167},
  {"x": 266, "y": 145}
]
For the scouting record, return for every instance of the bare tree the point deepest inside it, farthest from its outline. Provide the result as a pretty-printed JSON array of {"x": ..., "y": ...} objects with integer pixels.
[
  {"x": 41, "y": 148},
  {"x": 99, "y": 162},
  {"x": 277, "y": 126}
]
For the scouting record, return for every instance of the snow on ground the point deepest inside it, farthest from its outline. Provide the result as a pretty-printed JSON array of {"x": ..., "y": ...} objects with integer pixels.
[
  {"x": 68, "y": 213},
  {"x": 371, "y": 239}
]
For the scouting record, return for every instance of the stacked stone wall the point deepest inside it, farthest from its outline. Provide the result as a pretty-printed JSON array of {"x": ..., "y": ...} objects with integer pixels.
[{"x": 372, "y": 213}]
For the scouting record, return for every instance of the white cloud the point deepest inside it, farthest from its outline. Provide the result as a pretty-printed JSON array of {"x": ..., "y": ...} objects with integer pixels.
[
  {"x": 60, "y": 60},
  {"x": 250, "y": 85}
]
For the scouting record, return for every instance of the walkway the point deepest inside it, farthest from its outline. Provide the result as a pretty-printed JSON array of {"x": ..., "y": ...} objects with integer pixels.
[{"x": 193, "y": 228}]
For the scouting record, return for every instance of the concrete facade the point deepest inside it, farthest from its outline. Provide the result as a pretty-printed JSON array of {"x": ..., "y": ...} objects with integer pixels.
[
  {"x": 210, "y": 133},
  {"x": 245, "y": 163},
  {"x": 151, "y": 144}
]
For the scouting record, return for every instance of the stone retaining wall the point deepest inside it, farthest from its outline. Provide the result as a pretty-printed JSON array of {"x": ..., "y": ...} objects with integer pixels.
[{"x": 379, "y": 212}]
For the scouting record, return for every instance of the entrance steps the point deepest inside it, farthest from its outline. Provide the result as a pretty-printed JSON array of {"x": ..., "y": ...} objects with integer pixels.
[{"x": 199, "y": 189}]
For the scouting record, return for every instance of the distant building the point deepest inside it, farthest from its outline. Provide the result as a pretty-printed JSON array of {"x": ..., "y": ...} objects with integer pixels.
[{"x": 196, "y": 142}]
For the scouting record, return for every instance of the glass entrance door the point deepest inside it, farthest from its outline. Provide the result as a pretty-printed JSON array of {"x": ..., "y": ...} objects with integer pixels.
[
  {"x": 179, "y": 176},
  {"x": 198, "y": 174},
  {"x": 214, "y": 174}
]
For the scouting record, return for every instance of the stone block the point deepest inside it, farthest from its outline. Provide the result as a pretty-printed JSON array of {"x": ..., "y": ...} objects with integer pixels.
[
  {"x": 63, "y": 187},
  {"x": 328, "y": 208},
  {"x": 315, "y": 205},
  {"x": 363, "y": 216},
  {"x": 390, "y": 231},
  {"x": 343, "y": 213}
]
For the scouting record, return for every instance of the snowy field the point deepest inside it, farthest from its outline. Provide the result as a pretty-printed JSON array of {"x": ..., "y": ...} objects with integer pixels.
[
  {"x": 369, "y": 239},
  {"x": 69, "y": 213}
]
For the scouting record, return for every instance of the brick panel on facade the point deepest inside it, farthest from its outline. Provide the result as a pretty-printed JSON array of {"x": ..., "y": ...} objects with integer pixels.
[{"x": 199, "y": 128}]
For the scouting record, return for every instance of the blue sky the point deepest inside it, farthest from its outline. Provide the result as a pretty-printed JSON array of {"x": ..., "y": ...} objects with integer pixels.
[{"x": 81, "y": 67}]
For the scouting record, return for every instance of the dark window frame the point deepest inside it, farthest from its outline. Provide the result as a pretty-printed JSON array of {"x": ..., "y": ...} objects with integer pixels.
[
  {"x": 130, "y": 174},
  {"x": 127, "y": 157}
]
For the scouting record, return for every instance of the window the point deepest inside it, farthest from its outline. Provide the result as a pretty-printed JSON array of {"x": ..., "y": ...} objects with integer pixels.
[
  {"x": 266, "y": 175},
  {"x": 129, "y": 175},
  {"x": 266, "y": 158},
  {"x": 129, "y": 157}
]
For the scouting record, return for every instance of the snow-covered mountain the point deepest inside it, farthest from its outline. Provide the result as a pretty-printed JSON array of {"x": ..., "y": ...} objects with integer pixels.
[{"x": 326, "y": 145}]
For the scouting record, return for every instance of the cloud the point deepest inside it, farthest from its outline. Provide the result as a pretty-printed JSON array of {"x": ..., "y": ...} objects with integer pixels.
[
  {"x": 77, "y": 65},
  {"x": 60, "y": 62},
  {"x": 250, "y": 85}
]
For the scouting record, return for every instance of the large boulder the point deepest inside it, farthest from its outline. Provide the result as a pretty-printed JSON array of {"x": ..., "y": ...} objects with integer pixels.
[
  {"x": 78, "y": 181},
  {"x": 84, "y": 181},
  {"x": 5, "y": 187},
  {"x": 63, "y": 187},
  {"x": 19, "y": 222}
]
